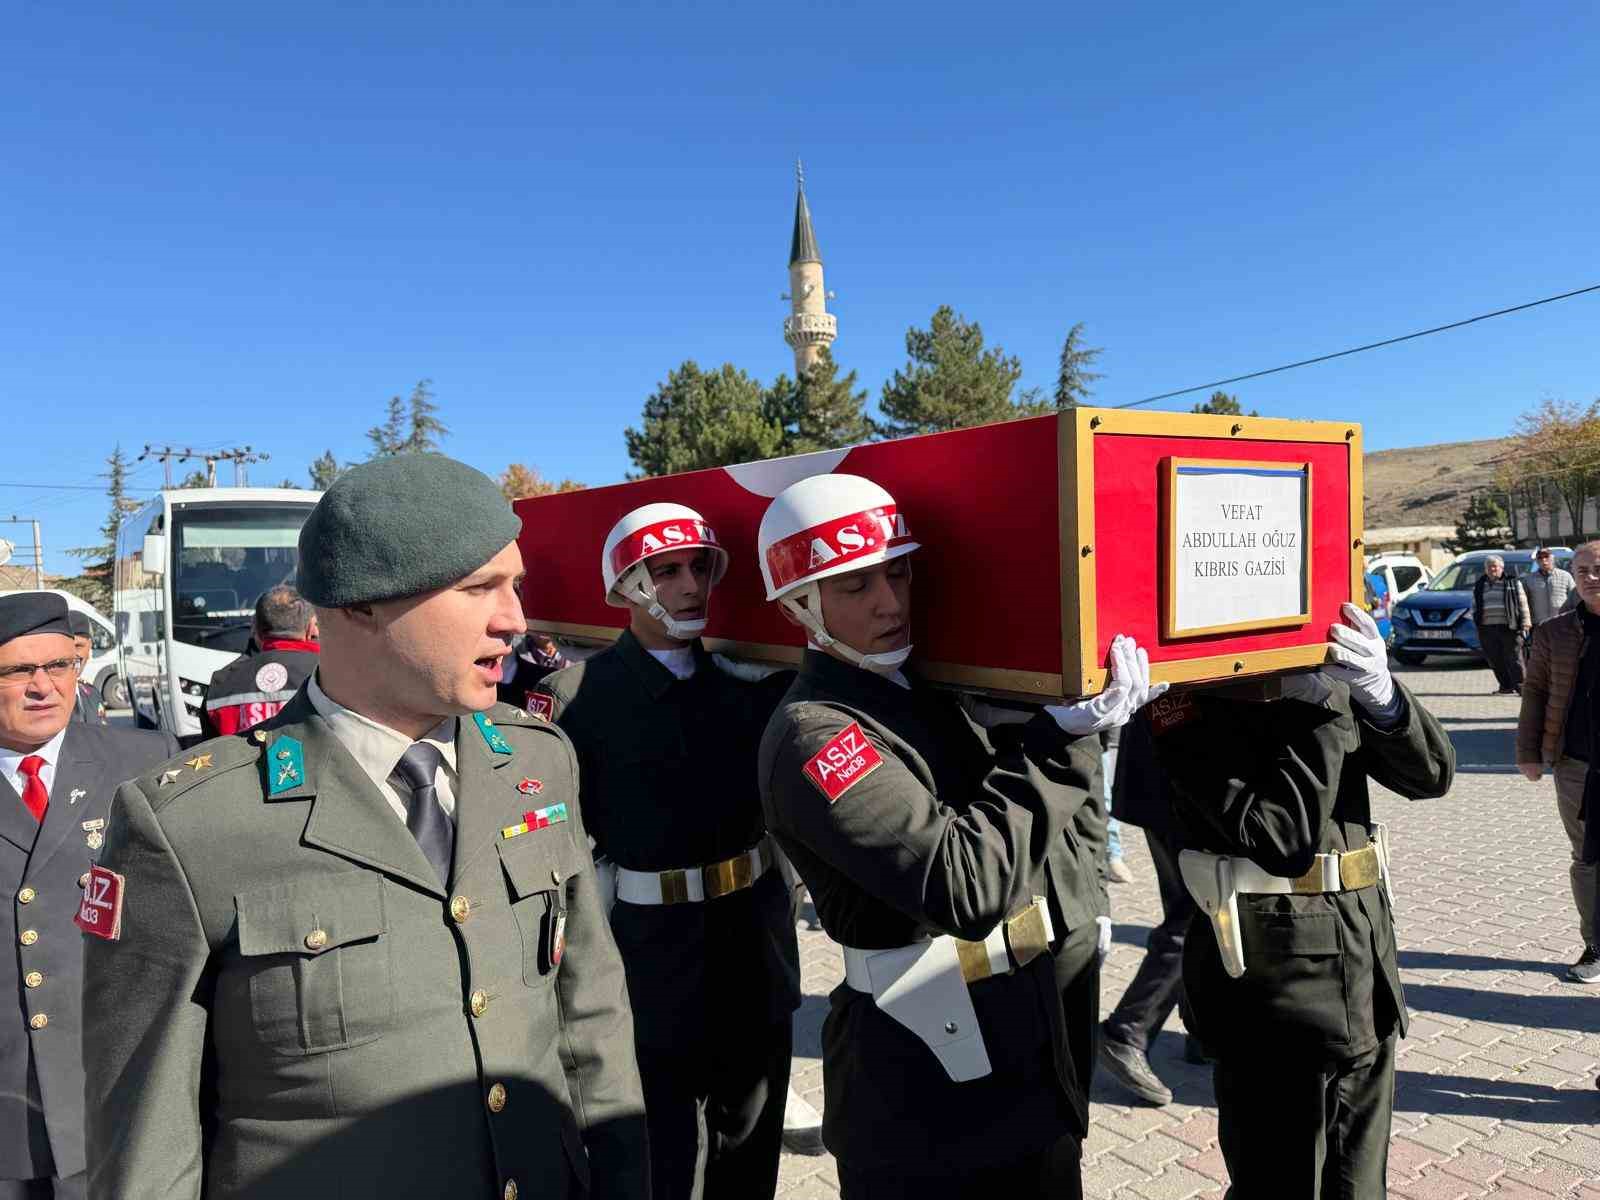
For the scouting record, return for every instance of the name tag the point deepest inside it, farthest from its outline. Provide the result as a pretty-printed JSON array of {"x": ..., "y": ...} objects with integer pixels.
[
  {"x": 843, "y": 762},
  {"x": 100, "y": 914}
]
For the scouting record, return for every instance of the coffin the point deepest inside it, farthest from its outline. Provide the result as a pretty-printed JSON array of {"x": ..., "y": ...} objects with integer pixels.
[{"x": 1225, "y": 545}]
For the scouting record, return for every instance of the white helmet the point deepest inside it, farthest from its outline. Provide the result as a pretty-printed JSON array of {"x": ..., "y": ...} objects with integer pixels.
[
  {"x": 644, "y": 533},
  {"x": 829, "y": 525}
]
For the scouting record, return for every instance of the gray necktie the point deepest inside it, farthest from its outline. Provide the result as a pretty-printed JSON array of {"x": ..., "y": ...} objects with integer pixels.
[{"x": 425, "y": 817}]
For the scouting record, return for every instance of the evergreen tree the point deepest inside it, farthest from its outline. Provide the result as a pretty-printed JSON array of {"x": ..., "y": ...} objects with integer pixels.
[
  {"x": 820, "y": 411},
  {"x": 1221, "y": 404},
  {"x": 951, "y": 381},
  {"x": 698, "y": 419},
  {"x": 98, "y": 580},
  {"x": 324, "y": 469},
  {"x": 409, "y": 426},
  {"x": 1073, "y": 376},
  {"x": 1481, "y": 526}
]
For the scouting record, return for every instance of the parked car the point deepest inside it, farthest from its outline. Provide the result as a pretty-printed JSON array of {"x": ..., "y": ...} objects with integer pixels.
[
  {"x": 1404, "y": 573},
  {"x": 1437, "y": 619},
  {"x": 1378, "y": 602}
]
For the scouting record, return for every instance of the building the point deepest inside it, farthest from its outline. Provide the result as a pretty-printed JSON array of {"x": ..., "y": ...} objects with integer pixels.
[{"x": 809, "y": 327}]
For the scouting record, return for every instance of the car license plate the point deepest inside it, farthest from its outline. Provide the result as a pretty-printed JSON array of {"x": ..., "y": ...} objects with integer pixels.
[{"x": 1433, "y": 633}]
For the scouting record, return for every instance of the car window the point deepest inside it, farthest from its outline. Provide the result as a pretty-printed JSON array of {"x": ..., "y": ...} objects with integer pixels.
[
  {"x": 1458, "y": 577},
  {"x": 1405, "y": 577}
]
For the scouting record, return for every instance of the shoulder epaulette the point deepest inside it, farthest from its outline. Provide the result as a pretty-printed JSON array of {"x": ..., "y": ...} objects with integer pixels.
[{"x": 200, "y": 763}]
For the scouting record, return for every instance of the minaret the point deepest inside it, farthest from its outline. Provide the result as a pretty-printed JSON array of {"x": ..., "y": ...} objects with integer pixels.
[{"x": 809, "y": 326}]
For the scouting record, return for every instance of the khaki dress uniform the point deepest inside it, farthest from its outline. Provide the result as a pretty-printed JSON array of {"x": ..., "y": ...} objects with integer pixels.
[{"x": 294, "y": 1005}]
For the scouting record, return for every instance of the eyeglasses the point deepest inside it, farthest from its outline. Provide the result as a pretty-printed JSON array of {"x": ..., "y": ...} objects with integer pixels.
[
  {"x": 1587, "y": 572},
  {"x": 19, "y": 674}
]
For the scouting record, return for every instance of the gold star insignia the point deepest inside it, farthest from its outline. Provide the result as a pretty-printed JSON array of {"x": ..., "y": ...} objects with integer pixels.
[{"x": 199, "y": 762}]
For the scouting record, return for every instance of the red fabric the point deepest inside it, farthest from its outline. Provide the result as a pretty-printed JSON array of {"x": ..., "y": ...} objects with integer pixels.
[
  {"x": 680, "y": 533},
  {"x": 835, "y": 543},
  {"x": 34, "y": 794},
  {"x": 272, "y": 643}
]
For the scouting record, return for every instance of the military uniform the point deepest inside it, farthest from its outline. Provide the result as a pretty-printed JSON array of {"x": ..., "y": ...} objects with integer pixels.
[
  {"x": 931, "y": 825},
  {"x": 1077, "y": 898},
  {"x": 41, "y": 866},
  {"x": 256, "y": 686},
  {"x": 1305, "y": 1038},
  {"x": 669, "y": 782},
  {"x": 356, "y": 1027},
  {"x": 87, "y": 707}
]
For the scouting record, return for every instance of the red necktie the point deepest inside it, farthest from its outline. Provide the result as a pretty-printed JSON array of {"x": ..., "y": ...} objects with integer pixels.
[{"x": 34, "y": 794}]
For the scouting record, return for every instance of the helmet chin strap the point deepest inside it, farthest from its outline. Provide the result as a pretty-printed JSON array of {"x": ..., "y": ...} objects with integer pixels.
[
  {"x": 636, "y": 586},
  {"x": 809, "y": 614}
]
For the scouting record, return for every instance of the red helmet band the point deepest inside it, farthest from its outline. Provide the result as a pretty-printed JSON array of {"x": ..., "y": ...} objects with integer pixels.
[
  {"x": 679, "y": 533},
  {"x": 836, "y": 543}
]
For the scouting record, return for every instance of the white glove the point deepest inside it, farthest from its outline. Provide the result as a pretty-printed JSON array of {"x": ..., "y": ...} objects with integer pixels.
[
  {"x": 1102, "y": 946},
  {"x": 1360, "y": 658},
  {"x": 1129, "y": 691}
]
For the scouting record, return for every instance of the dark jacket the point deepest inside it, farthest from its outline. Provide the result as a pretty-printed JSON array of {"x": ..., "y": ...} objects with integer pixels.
[
  {"x": 1280, "y": 783},
  {"x": 1516, "y": 601},
  {"x": 250, "y": 689},
  {"x": 1554, "y": 657},
  {"x": 44, "y": 862},
  {"x": 956, "y": 829},
  {"x": 669, "y": 782}
]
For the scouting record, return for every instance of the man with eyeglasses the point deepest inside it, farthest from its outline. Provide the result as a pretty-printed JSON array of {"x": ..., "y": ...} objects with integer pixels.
[
  {"x": 61, "y": 775},
  {"x": 1557, "y": 727}
]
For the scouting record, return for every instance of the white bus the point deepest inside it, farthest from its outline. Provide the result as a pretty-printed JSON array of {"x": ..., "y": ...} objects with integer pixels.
[{"x": 190, "y": 566}]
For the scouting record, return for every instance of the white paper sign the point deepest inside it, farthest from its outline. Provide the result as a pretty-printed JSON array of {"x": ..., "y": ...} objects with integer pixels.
[{"x": 1237, "y": 557}]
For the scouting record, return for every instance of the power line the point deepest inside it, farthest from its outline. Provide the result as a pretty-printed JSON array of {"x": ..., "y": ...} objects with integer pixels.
[{"x": 1306, "y": 362}]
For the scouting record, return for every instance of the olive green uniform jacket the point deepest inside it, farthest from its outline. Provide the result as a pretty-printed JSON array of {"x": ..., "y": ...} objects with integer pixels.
[
  {"x": 957, "y": 829},
  {"x": 297, "y": 1008},
  {"x": 1280, "y": 783}
]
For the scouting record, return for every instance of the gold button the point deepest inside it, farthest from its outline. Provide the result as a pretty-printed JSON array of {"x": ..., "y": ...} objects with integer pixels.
[
  {"x": 83, "y": 880},
  {"x": 511, "y": 1189},
  {"x": 260, "y": 735},
  {"x": 460, "y": 908},
  {"x": 38, "y": 1021},
  {"x": 479, "y": 1003},
  {"x": 316, "y": 939},
  {"x": 33, "y": 978},
  {"x": 555, "y": 876},
  {"x": 29, "y": 937},
  {"x": 497, "y": 1097},
  {"x": 26, "y": 895}
]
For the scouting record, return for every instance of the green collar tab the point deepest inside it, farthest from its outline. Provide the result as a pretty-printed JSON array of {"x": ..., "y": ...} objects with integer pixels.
[
  {"x": 492, "y": 737},
  {"x": 286, "y": 765}
]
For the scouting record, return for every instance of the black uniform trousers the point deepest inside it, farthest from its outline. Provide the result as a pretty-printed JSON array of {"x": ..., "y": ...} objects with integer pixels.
[
  {"x": 1502, "y": 646},
  {"x": 716, "y": 1119},
  {"x": 1158, "y": 984},
  {"x": 75, "y": 1187},
  {"x": 1306, "y": 1131},
  {"x": 1052, "y": 1174}
]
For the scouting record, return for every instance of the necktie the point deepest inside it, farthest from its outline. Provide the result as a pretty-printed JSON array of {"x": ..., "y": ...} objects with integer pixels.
[
  {"x": 426, "y": 820},
  {"x": 34, "y": 794}
]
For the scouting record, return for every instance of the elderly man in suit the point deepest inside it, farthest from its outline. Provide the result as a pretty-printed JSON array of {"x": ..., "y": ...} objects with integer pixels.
[
  {"x": 61, "y": 774},
  {"x": 360, "y": 950}
]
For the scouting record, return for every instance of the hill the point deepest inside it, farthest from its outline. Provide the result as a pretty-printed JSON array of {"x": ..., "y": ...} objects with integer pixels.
[{"x": 1428, "y": 485}]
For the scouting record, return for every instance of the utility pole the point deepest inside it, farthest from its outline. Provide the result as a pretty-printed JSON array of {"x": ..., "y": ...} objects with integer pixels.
[
  {"x": 240, "y": 456},
  {"x": 38, "y": 548}
]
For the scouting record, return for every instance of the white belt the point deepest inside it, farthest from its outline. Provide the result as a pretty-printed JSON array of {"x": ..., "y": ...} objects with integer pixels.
[
  {"x": 695, "y": 885},
  {"x": 1345, "y": 872},
  {"x": 1014, "y": 942}
]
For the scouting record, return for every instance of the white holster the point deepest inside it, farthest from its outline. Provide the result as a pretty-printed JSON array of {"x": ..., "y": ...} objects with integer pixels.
[
  {"x": 921, "y": 987},
  {"x": 1209, "y": 878},
  {"x": 605, "y": 878}
]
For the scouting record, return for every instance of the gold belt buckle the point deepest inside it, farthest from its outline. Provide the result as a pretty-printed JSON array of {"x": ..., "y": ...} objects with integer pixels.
[
  {"x": 1025, "y": 936},
  {"x": 1359, "y": 868},
  {"x": 674, "y": 887},
  {"x": 974, "y": 960},
  {"x": 729, "y": 875},
  {"x": 1311, "y": 883}
]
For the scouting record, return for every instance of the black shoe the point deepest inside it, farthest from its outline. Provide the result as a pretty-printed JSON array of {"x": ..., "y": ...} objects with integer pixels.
[
  {"x": 1195, "y": 1053},
  {"x": 1131, "y": 1069},
  {"x": 1587, "y": 968}
]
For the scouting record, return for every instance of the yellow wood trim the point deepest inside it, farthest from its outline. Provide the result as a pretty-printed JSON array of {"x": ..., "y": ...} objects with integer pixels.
[
  {"x": 993, "y": 679},
  {"x": 1222, "y": 667},
  {"x": 1079, "y": 619},
  {"x": 1206, "y": 425},
  {"x": 1358, "y": 532},
  {"x": 599, "y": 635},
  {"x": 1169, "y": 608},
  {"x": 756, "y": 651}
]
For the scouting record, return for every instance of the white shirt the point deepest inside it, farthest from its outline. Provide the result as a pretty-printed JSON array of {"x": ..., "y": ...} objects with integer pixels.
[
  {"x": 679, "y": 661},
  {"x": 377, "y": 748},
  {"x": 11, "y": 763}
]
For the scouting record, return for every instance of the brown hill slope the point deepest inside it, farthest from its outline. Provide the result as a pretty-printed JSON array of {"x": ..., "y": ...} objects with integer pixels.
[{"x": 1428, "y": 485}]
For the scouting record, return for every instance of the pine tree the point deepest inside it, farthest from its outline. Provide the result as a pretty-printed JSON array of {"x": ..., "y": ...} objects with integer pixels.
[
  {"x": 1220, "y": 404},
  {"x": 1073, "y": 376},
  {"x": 951, "y": 381},
  {"x": 409, "y": 426},
  {"x": 820, "y": 411},
  {"x": 324, "y": 469},
  {"x": 1481, "y": 526},
  {"x": 100, "y": 561},
  {"x": 697, "y": 419}
]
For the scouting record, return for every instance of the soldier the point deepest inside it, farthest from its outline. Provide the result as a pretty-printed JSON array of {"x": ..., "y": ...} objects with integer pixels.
[
  {"x": 60, "y": 775},
  {"x": 666, "y": 742},
  {"x": 87, "y": 707},
  {"x": 360, "y": 951},
  {"x": 256, "y": 686},
  {"x": 1290, "y": 966},
  {"x": 928, "y": 844}
]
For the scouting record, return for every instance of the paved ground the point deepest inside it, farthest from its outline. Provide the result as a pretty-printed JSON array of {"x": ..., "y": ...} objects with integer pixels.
[{"x": 1495, "y": 1092}]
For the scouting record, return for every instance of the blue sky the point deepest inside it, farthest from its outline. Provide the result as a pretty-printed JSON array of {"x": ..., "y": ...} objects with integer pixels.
[{"x": 229, "y": 226}]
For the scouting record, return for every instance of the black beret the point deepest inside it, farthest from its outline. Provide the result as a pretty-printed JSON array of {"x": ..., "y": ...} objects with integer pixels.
[
  {"x": 399, "y": 526},
  {"x": 24, "y": 613},
  {"x": 78, "y": 622}
]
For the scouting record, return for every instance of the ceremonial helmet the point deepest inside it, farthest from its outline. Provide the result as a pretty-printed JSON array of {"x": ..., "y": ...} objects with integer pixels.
[
  {"x": 641, "y": 535},
  {"x": 829, "y": 525}
]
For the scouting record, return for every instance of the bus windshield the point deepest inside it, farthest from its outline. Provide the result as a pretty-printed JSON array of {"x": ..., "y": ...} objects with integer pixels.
[{"x": 223, "y": 558}]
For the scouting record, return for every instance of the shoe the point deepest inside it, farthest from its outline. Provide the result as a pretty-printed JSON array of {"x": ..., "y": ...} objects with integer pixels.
[
  {"x": 1587, "y": 968},
  {"x": 1195, "y": 1052},
  {"x": 1130, "y": 1068},
  {"x": 1119, "y": 872},
  {"x": 802, "y": 1125}
]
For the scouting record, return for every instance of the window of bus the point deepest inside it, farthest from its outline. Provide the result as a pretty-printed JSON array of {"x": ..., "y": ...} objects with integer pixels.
[{"x": 223, "y": 559}]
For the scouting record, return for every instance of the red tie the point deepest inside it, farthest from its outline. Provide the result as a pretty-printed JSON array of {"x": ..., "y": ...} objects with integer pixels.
[{"x": 34, "y": 794}]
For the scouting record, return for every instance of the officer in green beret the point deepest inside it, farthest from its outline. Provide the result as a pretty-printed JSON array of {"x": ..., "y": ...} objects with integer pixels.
[{"x": 360, "y": 950}]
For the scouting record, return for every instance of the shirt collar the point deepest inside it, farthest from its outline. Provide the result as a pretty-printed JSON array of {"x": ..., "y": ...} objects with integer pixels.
[
  {"x": 11, "y": 760},
  {"x": 376, "y": 747},
  {"x": 652, "y": 673}
]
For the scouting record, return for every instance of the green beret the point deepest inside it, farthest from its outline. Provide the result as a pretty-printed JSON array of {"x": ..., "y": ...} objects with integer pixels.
[{"x": 399, "y": 526}]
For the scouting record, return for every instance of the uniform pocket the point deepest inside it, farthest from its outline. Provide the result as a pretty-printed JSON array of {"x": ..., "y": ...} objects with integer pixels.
[
  {"x": 317, "y": 957},
  {"x": 537, "y": 866},
  {"x": 1295, "y": 970}
]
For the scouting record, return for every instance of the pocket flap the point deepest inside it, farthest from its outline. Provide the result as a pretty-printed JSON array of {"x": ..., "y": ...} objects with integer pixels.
[
  {"x": 539, "y": 860},
  {"x": 1297, "y": 933},
  {"x": 311, "y": 916}
]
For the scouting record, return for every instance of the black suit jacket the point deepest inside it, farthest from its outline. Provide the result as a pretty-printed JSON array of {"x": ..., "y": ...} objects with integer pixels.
[{"x": 41, "y": 1110}]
